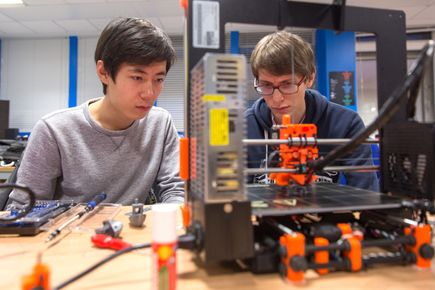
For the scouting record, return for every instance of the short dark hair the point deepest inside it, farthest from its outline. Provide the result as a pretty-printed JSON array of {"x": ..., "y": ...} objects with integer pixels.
[
  {"x": 283, "y": 53},
  {"x": 133, "y": 41}
]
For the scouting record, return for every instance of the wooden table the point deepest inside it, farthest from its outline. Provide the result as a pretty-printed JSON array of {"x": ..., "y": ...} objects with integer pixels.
[{"x": 74, "y": 253}]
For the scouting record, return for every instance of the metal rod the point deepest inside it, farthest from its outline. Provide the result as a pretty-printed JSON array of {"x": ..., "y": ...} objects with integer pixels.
[
  {"x": 278, "y": 226},
  {"x": 406, "y": 240},
  {"x": 252, "y": 171},
  {"x": 384, "y": 258},
  {"x": 402, "y": 221},
  {"x": 331, "y": 265},
  {"x": 298, "y": 141},
  {"x": 362, "y": 168},
  {"x": 358, "y": 168},
  {"x": 342, "y": 246}
]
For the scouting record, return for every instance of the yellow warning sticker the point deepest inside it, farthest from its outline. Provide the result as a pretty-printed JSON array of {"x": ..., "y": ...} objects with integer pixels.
[
  {"x": 219, "y": 127},
  {"x": 213, "y": 98}
]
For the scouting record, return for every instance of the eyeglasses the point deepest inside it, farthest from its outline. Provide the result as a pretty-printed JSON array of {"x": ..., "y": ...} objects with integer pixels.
[{"x": 286, "y": 88}]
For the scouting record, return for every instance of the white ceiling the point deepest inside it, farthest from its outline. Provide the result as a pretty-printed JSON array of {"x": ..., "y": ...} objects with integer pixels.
[{"x": 57, "y": 18}]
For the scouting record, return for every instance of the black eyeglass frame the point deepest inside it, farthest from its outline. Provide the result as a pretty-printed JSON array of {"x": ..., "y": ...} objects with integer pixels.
[{"x": 258, "y": 89}]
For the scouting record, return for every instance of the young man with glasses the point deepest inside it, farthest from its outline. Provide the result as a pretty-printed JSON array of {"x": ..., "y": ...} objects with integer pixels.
[
  {"x": 119, "y": 143},
  {"x": 284, "y": 70}
]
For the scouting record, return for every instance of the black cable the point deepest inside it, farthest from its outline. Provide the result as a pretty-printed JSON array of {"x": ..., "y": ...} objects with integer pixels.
[
  {"x": 390, "y": 107},
  {"x": 22, "y": 212},
  {"x": 413, "y": 94},
  {"x": 270, "y": 159},
  {"x": 187, "y": 241},
  {"x": 100, "y": 263}
]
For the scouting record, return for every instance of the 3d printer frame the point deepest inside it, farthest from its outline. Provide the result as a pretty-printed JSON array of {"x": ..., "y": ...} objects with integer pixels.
[{"x": 225, "y": 229}]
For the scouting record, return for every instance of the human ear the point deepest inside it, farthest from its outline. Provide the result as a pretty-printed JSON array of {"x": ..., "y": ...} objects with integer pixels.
[
  {"x": 103, "y": 75},
  {"x": 310, "y": 80}
]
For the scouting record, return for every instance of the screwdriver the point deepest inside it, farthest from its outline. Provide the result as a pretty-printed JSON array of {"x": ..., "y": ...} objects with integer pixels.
[{"x": 89, "y": 207}]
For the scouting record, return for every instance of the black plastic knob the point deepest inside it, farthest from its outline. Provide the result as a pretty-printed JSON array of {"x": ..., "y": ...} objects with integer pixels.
[
  {"x": 426, "y": 251},
  {"x": 283, "y": 251},
  {"x": 282, "y": 270},
  {"x": 298, "y": 263}
]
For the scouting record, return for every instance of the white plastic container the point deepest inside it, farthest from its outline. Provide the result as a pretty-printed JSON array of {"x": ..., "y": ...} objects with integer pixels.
[{"x": 164, "y": 245}]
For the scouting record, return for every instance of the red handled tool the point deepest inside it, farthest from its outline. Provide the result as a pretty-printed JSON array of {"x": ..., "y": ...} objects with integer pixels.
[{"x": 107, "y": 242}]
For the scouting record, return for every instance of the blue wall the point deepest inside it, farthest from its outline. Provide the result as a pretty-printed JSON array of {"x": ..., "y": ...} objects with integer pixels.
[
  {"x": 234, "y": 42},
  {"x": 73, "y": 54},
  {"x": 335, "y": 53}
]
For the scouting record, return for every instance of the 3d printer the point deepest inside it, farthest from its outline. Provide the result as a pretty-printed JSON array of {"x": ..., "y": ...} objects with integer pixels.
[{"x": 325, "y": 227}]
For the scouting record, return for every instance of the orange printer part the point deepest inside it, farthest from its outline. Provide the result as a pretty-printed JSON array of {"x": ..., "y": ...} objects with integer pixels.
[
  {"x": 184, "y": 158},
  {"x": 296, "y": 156},
  {"x": 422, "y": 247},
  {"x": 293, "y": 246},
  {"x": 38, "y": 279},
  {"x": 354, "y": 254},
  {"x": 321, "y": 257}
]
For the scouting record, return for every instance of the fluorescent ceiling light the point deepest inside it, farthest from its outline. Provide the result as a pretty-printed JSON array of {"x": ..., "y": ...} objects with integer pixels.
[{"x": 11, "y": 2}]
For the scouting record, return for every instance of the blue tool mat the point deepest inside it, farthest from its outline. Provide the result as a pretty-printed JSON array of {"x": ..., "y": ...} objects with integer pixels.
[{"x": 30, "y": 225}]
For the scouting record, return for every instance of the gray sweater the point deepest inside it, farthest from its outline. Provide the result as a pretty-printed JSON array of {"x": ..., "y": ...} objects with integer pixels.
[{"x": 71, "y": 157}]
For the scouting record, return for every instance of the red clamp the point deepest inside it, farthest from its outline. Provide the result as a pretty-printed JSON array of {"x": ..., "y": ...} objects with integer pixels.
[{"x": 108, "y": 242}]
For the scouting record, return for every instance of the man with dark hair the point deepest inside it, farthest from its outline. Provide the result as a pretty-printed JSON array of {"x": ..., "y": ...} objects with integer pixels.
[
  {"x": 284, "y": 70},
  {"x": 118, "y": 144}
]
